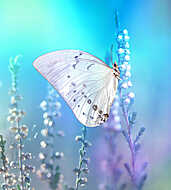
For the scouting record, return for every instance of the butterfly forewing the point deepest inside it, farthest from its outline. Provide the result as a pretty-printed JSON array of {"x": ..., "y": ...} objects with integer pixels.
[{"x": 85, "y": 82}]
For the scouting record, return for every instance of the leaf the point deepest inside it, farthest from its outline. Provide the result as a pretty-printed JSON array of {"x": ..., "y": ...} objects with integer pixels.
[
  {"x": 128, "y": 169},
  {"x": 132, "y": 118},
  {"x": 140, "y": 133},
  {"x": 56, "y": 178},
  {"x": 125, "y": 134},
  {"x": 57, "y": 168},
  {"x": 144, "y": 166},
  {"x": 142, "y": 181},
  {"x": 137, "y": 147},
  {"x": 18, "y": 187}
]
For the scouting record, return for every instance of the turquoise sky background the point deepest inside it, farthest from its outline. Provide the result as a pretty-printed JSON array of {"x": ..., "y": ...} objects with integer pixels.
[{"x": 32, "y": 28}]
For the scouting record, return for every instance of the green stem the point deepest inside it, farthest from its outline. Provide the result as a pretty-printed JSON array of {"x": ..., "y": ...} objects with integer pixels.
[
  {"x": 4, "y": 158},
  {"x": 20, "y": 157}
]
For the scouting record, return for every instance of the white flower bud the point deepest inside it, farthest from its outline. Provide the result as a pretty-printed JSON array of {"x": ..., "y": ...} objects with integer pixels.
[
  {"x": 120, "y": 37},
  {"x": 50, "y": 123},
  {"x": 125, "y": 31},
  {"x": 127, "y": 101},
  {"x": 129, "y": 84},
  {"x": 127, "y": 45},
  {"x": 14, "y": 129},
  {"x": 127, "y": 57},
  {"x": 58, "y": 105},
  {"x": 124, "y": 85},
  {"x": 131, "y": 95},
  {"x": 43, "y": 105},
  {"x": 46, "y": 121},
  {"x": 127, "y": 38},
  {"x": 45, "y": 115},
  {"x": 41, "y": 156},
  {"x": 43, "y": 144},
  {"x": 24, "y": 128},
  {"x": 120, "y": 51},
  {"x": 44, "y": 132},
  {"x": 128, "y": 74},
  {"x": 17, "y": 137}
]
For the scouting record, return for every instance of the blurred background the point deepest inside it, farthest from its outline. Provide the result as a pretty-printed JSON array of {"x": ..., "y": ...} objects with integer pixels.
[{"x": 32, "y": 28}]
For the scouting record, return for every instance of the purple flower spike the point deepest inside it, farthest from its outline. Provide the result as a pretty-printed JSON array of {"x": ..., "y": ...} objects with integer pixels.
[{"x": 126, "y": 97}]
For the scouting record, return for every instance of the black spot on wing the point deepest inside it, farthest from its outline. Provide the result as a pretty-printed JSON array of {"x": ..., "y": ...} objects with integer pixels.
[
  {"x": 100, "y": 111},
  {"x": 73, "y": 84},
  {"x": 94, "y": 107},
  {"x": 88, "y": 67},
  {"x": 76, "y": 60},
  {"x": 89, "y": 101}
]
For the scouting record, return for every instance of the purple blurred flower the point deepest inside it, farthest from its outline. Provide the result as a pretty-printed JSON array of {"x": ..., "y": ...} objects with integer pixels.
[
  {"x": 122, "y": 119},
  {"x": 126, "y": 97}
]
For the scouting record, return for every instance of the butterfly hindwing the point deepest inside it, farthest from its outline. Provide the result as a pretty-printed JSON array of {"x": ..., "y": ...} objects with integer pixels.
[{"x": 85, "y": 82}]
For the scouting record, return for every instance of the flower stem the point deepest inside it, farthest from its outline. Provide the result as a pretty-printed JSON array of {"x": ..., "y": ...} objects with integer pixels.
[
  {"x": 130, "y": 142},
  {"x": 4, "y": 158},
  {"x": 20, "y": 156},
  {"x": 82, "y": 154}
]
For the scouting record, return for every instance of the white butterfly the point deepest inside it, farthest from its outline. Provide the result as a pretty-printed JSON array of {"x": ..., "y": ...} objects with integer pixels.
[{"x": 85, "y": 82}]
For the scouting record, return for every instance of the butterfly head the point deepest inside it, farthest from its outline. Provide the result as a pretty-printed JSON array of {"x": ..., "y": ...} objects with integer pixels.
[{"x": 116, "y": 71}]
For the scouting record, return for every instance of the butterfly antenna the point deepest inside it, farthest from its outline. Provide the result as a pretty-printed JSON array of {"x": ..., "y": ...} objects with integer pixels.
[
  {"x": 111, "y": 54},
  {"x": 117, "y": 24}
]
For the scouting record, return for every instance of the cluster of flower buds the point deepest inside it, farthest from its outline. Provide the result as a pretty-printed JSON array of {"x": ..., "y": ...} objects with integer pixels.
[
  {"x": 49, "y": 157},
  {"x": 48, "y": 119},
  {"x": 15, "y": 114},
  {"x": 51, "y": 102},
  {"x": 123, "y": 53},
  {"x": 126, "y": 101},
  {"x": 51, "y": 107},
  {"x": 20, "y": 132},
  {"x": 82, "y": 170},
  {"x": 123, "y": 97},
  {"x": 10, "y": 179}
]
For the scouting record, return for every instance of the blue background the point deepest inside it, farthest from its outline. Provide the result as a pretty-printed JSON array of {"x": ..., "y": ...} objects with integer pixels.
[{"x": 32, "y": 28}]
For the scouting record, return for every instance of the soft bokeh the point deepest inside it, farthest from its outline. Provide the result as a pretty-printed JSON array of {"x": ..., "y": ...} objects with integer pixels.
[{"x": 32, "y": 28}]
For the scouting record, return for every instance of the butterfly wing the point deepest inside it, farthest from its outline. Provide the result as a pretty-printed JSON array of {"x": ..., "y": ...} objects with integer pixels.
[{"x": 85, "y": 82}]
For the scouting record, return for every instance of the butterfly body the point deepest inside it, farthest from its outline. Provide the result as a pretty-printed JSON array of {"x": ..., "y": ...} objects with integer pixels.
[{"x": 85, "y": 82}]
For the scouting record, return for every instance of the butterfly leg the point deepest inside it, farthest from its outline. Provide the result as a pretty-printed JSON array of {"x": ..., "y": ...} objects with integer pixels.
[{"x": 116, "y": 71}]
